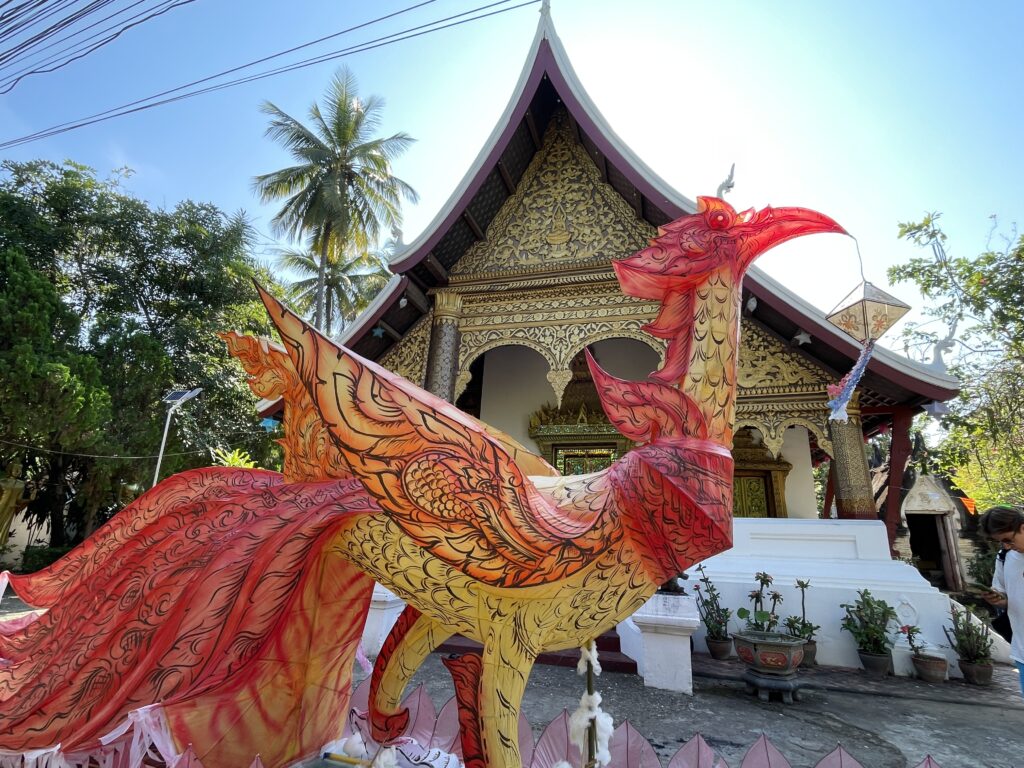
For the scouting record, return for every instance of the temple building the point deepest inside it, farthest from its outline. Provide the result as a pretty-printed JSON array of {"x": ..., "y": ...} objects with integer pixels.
[{"x": 493, "y": 304}]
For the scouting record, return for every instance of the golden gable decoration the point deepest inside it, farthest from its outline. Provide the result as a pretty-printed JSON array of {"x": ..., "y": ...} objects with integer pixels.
[
  {"x": 408, "y": 358},
  {"x": 561, "y": 213},
  {"x": 768, "y": 365},
  {"x": 779, "y": 388}
]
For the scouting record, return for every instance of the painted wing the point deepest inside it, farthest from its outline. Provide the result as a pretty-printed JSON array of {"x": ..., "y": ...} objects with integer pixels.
[
  {"x": 447, "y": 483},
  {"x": 215, "y": 597},
  {"x": 643, "y": 411},
  {"x": 676, "y": 501}
]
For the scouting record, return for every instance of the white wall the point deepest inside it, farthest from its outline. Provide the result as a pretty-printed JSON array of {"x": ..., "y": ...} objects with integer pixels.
[
  {"x": 626, "y": 358},
  {"x": 514, "y": 386},
  {"x": 23, "y": 534},
  {"x": 838, "y": 557},
  {"x": 796, "y": 449},
  {"x": 515, "y": 381}
]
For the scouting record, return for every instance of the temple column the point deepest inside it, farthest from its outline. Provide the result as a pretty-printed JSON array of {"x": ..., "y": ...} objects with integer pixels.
[
  {"x": 854, "y": 497},
  {"x": 443, "y": 356},
  {"x": 899, "y": 454}
]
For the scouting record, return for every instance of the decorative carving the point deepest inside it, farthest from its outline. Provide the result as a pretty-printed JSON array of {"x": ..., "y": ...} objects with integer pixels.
[
  {"x": 461, "y": 382},
  {"x": 759, "y": 477},
  {"x": 447, "y": 305},
  {"x": 769, "y": 366},
  {"x": 854, "y": 496},
  {"x": 557, "y": 323},
  {"x": 559, "y": 380},
  {"x": 779, "y": 388},
  {"x": 773, "y": 418},
  {"x": 408, "y": 358},
  {"x": 561, "y": 213},
  {"x": 547, "y": 416}
]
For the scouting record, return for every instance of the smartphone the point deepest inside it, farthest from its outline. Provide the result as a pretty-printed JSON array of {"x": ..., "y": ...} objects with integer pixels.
[{"x": 983, "y": 589}]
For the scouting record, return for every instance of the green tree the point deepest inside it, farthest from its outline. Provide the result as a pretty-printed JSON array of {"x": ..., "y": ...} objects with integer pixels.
[
  {"x": 980, "y": 301},
  {"x": 351, "y": 281},
  {"x": 341, "y": 190},
  {"x": 105, "y": 305},
  {"x": 51, "y": 394}
]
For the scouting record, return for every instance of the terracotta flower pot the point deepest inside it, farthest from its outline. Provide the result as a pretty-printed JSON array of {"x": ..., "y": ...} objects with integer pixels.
[
  {"x": 977, "y": 673},
  {"x": 931, "y": 669},
  {"x": 875, "y": 664},
  {"x": 719, "y": 649},
  {"x": 769, "y": 653}
]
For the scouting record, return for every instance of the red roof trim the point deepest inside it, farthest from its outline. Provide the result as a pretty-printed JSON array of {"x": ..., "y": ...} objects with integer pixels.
[{"x": 541, "y": 63}]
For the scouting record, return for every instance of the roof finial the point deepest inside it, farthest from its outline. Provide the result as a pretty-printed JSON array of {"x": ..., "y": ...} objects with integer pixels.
[
  {"x": 728, "y": 184},
  {"x": 545, "y": 9}
]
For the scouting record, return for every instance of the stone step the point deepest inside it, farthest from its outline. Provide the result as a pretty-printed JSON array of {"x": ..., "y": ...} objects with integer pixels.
[{"x": 611, "y": 657}]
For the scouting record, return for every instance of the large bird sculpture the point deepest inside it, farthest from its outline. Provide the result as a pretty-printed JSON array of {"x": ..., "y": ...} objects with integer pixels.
[{"x": 382, "y": 479}]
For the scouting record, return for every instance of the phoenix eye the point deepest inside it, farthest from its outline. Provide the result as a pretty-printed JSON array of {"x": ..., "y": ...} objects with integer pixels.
[{"x": 718, "y": 220}]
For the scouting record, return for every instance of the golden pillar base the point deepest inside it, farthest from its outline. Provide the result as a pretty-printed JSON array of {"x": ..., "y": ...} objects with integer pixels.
[{"x": 854, "y": 497}]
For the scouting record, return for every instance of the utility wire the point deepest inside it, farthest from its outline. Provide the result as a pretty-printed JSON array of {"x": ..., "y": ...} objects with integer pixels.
[
  {"x": 13, "y": 29},
  {"x": 82, "y": 48},
  {"x": 141, "y": 105},
  {"x": 37, "y": 449},
  {"x": 7, "y": 56},
  {"x": 245, "y": 66}
]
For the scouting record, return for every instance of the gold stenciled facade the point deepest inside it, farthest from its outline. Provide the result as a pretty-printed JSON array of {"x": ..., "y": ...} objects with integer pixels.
[{"x": 542, "y": 279}]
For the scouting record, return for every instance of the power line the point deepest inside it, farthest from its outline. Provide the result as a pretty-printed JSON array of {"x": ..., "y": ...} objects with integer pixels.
[
  {"x": 82, "y": 48},
  {"x": 141, "y": 105},
  {"x": 37, "y": 449},
  {"x": 7, "y": 56},
  {"x": 233, "y": 69},
  {"x": 13, "y": 29}
]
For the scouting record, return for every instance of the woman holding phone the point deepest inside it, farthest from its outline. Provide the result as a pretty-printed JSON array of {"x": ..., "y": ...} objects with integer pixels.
[{"x": 1005, "y": 525}]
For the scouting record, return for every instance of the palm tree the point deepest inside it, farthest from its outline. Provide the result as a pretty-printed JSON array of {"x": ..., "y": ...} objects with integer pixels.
[
  {"x": 341, "y": 189},
  {"x": 351, "y": 280}
]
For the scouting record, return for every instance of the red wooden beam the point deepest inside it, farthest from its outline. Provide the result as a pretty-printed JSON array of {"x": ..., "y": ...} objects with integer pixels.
[{"x": 899, "y": 453}]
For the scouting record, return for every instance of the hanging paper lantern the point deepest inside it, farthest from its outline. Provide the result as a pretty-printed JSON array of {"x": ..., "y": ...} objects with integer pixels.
[{"x": 867, "y": 312}]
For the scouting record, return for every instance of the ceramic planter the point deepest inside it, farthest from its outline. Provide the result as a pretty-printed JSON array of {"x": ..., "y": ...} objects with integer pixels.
[
  {"x": 769, "y": 653},
  {"x": 977, "y": 673},
  {"x": 875, "y": 664},
  {"x": 719, "y": 649},
  {"x": 931, "y": 669}
]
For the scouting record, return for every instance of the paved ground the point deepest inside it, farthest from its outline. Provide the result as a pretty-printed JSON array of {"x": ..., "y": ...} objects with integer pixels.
[{"x": 892, "y": 723}]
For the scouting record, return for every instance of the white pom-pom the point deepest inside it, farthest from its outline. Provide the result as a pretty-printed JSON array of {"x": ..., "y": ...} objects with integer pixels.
[
  {"x": 579, "y": 722},
  {"x": 588, "y": 653},
  {"x": 605, "y": 728},
  {"x": 353, "y": 746}
]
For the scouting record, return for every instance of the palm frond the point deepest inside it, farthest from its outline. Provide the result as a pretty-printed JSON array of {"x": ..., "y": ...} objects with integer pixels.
[{"x": 340, "y": 191}]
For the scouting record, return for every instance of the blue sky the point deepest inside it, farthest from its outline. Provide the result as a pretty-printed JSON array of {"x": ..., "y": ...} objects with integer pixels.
[{"x": 872, "y": 112}]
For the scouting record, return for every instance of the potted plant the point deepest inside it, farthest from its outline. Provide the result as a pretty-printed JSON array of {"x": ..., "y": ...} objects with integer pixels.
[
  {"x": 799, "y": 626},
  {"x": 868, "y": 620},
  {"x": 760, "y": 646},
  {"x": 931, "y": 669},
  {"x": 971, "y": 638},
  {"x": 759, "y": 619},
  {"x": 715, "y": 617}
]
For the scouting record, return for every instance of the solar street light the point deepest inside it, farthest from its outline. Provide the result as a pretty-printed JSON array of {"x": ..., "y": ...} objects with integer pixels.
[{"x": 174, "y": 401}]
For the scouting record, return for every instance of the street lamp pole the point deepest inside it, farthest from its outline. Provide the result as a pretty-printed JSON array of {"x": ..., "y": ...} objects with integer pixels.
[{"x": 174, "y": 401}]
